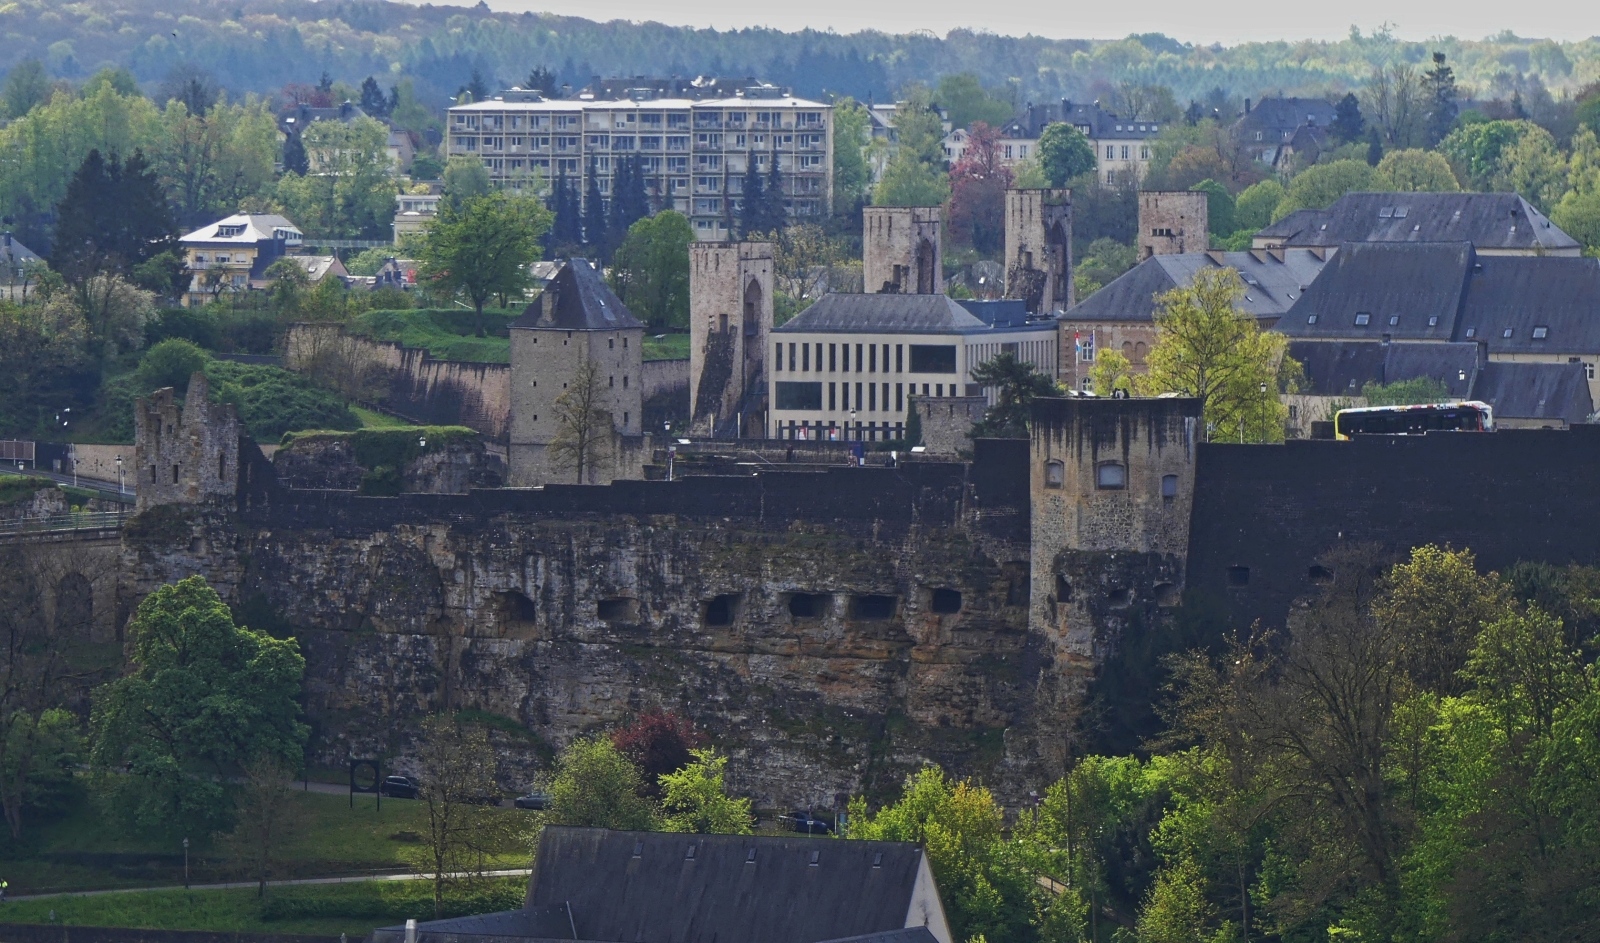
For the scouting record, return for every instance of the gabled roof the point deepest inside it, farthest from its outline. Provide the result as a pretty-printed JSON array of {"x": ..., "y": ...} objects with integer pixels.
[
  {"x": 577, "y": 299},
  {"x": 1273, "y": 280},
  {"x": 245, "y": 229},
  {"x": 1282, "y": 115},
  {"x": 682, "y": 888},
  {"x": 1553, "y": 391},
  {"x": 1408, "y": 291},
  {"x": 1490, "y": 221},
  {"x": 1560, "y": 295},
  {"x": 13, "y": 253},
  {"x": 1101, "y": 124},
  {"x": 839, "y": 313},
  {"x": 1342, "y": 368},
  {"x": 319, "y": 267}
]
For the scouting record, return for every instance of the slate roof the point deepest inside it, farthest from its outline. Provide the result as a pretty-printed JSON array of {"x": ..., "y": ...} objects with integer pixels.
[
  {"x": 1503, "y": 221},
  {"x": 577, "y": 299},
  {"x": 1408, "y": 291},
  {"x": 553, "y": 922},
  {"x": 681, "y": 888},
  {"x": 1342, "y": 368},
  {"x": 1273, "y": 281},
  {"x": 1561, "y": 295},
  {"x": 1101, "y": 124},
  {"x": 13, "y": 253},
  {"x": 841, "y": 313},
  {"x": 1278, "y": 118},
  {"x": 252, "y": 228},
  {"x": 903, "y": 935},
  {"x": 1554, "y": 391}
]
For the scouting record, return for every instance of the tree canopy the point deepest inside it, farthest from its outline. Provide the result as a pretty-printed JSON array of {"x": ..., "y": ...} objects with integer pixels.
[{"x": 484, "y": 248}]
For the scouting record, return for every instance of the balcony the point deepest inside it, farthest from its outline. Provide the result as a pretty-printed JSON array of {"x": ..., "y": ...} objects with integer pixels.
[{"x": 241, "y": 265}]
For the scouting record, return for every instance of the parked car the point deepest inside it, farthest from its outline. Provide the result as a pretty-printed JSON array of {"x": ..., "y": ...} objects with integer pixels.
[
  {"x": 399, "y": 787},
  {"x": 537, "y": 801},
  {"x": 798, "y": 821}
]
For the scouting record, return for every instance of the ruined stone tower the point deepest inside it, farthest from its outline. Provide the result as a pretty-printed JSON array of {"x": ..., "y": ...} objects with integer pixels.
[
  {"x": 902, "y": 250},
  {"x": 1173, "y": 221},
  {"x": 730, "y": 320},
  {"x": 1112, "y": 485},
  {"x": 185, "y": 453},
  {"x": 1039, "y": 249}
]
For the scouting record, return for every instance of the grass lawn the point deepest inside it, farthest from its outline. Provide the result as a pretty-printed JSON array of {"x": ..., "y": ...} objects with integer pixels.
[
  {"x": 666, "y": 347},
  {"x": 372, "y": 419},
  {"x": 448, "y": 334},
  {"x": 328, "y": 909},
  {"x": 83, "y": 851}
]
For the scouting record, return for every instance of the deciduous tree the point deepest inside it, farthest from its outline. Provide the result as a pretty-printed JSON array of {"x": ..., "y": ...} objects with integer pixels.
[
  {"x": 694, "y": 799},
  {"x": 584, "y": 427},
  {"x": 596, "y": 786},
  {"x": 1064, "y": 153},
  {"x": 484, "y": 248},
  {"x": 650, "y": 270},
  {"x": 456, "y": 779},
  {"x": 267, "y": 819}
]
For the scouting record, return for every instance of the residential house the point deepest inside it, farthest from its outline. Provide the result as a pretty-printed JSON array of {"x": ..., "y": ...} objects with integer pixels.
[
  {"x": 1525, "y": 309},
  {"x": 233, "y": 254},
  {"x": 1494, "y": 223},
  {"x": 16, "y": 261},
  {"x": 413, "y": 212},
  {"x": 591, "y": 884},
  {"x": 693, "y": 151},
  {"x": 321, "y": 267},
  {"x": 1122, "y": 146},
  {"x": 1277, "y": 129},
  {"x": 1121, "y": 316},
  {"x": 846, "y": 367}
]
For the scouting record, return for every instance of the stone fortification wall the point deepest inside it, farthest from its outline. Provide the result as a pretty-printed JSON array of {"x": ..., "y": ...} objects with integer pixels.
[
  {"x": 407, "y": 380},
  {"x": 947, "y": 421}
]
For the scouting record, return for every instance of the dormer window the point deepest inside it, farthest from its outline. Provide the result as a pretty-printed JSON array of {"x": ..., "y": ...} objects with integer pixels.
[
  {"x": 1433, "y": 322},
  {"x": 1363, "y": 319},
  {"x": 1472, "y": 332},
  {"x": 1541, "y": 332},
  {"x": 1394, "y": 319},
  {"x": 1311, "y": 319},
  {"x": 1506, "y": 333}
]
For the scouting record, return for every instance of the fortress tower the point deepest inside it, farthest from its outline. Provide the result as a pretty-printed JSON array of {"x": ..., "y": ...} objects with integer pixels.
[
  {"x": 1039, "y": 249},
  {"x": 1172, "y": 222},
  {"x": 184, "y": 453},
  {"x": 902, "y": 250},
  {"x": 730, "y": 321}
]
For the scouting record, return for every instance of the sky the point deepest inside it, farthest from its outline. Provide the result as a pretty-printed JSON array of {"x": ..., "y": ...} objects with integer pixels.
[{"x": 1181, "y": 19}]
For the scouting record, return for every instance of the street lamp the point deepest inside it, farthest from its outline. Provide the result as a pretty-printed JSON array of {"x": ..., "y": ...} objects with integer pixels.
[
  {"x": 422, "y": 441},
  {"x": 186, "y": 864},
  {"x": 122, "y": 487}
]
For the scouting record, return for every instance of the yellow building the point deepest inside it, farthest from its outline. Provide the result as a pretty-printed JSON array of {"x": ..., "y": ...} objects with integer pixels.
[{"x": 232, "y": 255}]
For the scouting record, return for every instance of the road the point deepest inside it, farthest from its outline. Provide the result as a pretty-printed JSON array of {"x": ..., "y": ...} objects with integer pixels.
[
  {"x": 233, "y": 885},
  {"x": 105, "y": 489}
]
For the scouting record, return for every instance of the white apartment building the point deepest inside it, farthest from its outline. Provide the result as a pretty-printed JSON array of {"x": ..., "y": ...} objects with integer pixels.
[
  {"x": 846, "y": 367},
  {"x": 693, "y": 152},
  {"x": 1121, "y": 146}
]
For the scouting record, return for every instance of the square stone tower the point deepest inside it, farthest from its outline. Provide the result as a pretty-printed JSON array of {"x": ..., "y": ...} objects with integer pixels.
[
  {"x": 1173, "y": 221},
  {"x": 576, "y": 320},
  {"x": 902, "y": 250},
  {"x": 184, "y": 453},
  {"x": 1039, "y": 249},
  {"x": 730, "y": 321}
]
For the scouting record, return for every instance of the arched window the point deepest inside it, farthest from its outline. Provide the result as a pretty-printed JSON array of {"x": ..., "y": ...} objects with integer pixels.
[
  {"x": 1110, "y": 476},
  {"x": 1055, "y": 474}
]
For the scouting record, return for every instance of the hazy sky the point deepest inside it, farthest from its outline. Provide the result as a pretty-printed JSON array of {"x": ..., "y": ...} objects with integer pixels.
[{"x": 1183, "y": 19}]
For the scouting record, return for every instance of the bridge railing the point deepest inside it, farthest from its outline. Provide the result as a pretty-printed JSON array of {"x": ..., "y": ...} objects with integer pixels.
[{"x": 80, "y": 520}]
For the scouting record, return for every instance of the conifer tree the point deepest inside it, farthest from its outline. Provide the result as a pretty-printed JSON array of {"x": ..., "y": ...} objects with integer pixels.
[
  {"x": 752, "y": 217},
  {"x": 776, "y": 216},
  {"x": 594, "y": 214},
  {"x": 1440, "y": 82}
]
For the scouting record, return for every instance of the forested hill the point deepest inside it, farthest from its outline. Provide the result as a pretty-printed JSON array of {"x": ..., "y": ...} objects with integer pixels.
[{"x": 262, "y": 45}]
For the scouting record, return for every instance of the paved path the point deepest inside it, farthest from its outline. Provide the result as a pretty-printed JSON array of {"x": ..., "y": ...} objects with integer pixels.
[{"x": 514, "y": 872}]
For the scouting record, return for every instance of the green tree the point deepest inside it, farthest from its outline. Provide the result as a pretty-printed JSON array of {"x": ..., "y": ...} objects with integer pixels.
[
  {"x": 915, "y": 175},
  {"x": 1405, "y": 392},
  {"x": 1064, "y": 153},
  {"x": 650, "y": 270},
  {"x": 27, "y": 85},
  {"x": 349, "y": 190},
  {"x": 215, "y": 159},
  {"x": 1219, "y": 207},
  {"x": 693, "y": 799},
  {"x": 1416, "y": 171},
  {"x": 1016, "y": 383},
  {"x": 908, "y": 182},
  {"x": 484, "y": 249},
  {"x": 112, "y": 217},
  {"x": 596, "y": 786},
  {"x": 1439, "y": 84},
  {"x": 201, "y": 696},
  {"x": 465, "y": 178},
  {"x": 1348, "y": 124},
  {"x": 171, "y": 363},
  {"x": 1208, "y": 348},
  {"x": 961, "y": 826},
  {"x": 1476, "y": 150},
  {"x": 1254, "y": 206},
  {"x": 1318, "y": 186},
  {"x": 965, "y": 101},
  {"x": 1434, "y": 604},
  {"x": 851, "y": 173}
]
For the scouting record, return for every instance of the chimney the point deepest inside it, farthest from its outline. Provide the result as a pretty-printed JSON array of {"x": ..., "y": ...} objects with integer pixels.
[
  {"x": 1247, "y": 106},
  {"x": 1483, "y": 353}
]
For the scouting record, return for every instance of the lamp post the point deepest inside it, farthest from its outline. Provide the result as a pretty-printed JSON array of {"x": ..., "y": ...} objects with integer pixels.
[
  {"x": 186, "y": 864},
  {"x": 122, "y": 487}
]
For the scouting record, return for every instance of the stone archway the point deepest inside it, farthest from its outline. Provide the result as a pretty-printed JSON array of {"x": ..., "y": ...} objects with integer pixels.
[{"x": 927, "y": 277}]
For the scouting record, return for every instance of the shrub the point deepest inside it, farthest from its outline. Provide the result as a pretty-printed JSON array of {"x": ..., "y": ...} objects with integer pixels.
[{"x": 170, "y": 363}]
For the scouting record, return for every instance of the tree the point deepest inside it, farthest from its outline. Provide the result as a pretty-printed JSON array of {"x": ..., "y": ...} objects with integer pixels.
[
  {"x": 965, "y": 101},
  {"x": 1252, "y": 209},
  {"x": 26, "y": 85},
  {"x": 1207, "y": 348},
  {"x": 650, "y": 270},
  {"x": 1477, "y": 151},
  {"x": 776, "y": 213},
  {"x": 596, "y": 238},
  {"x": 1016, "y": 383},
  {"x": 1348, "y": 125},
  {"x": 1416, "y": 171},
  {"x": 693, "y": 799},
  {"x": 978, "y": 184},
  {"x": 465, "y": 178},
  {"x": 584, "y": 427},
  {"x": 907, "y": 182},
  {"x": 597, "y": 787},
  {"x": 201, "y": 696},
  {"x": 476, "y": 89},
  {"x": 294, "y": 156},
  {"x": 1064, "y": 153},
  {"x": 171, "y": 363},
  {"x": 1219, "y": 207},
  {"x": 658, "y": 742},
  {"x": 113, "y": 216},
  {"x": 851, "y": 173},
  {"x": 1395, "y": 104},
  {"x": 543, "y": 80},
  {"x": 753, "y": 201},
  {"x": 456, "y": 774},
  {"x": 1439, "y": 84},
  {"x": 566, "y": 231},
  {"x": 484, "y": 248},
  {"x": 349, "y": 190},
  {"x": 373, "y": 101},
  {"x": 1319, "y": 185},
  {"x": 1434, "y": 604},
  {"x": 213, "y": 160},
  {"x": 915, "y": 175},
  {"x": 116, "y": 311},
  {"x": 267, "y": 818}
]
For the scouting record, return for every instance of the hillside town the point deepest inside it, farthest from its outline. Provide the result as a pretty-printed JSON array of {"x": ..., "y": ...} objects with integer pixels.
[{"x": 470, "y": 475}]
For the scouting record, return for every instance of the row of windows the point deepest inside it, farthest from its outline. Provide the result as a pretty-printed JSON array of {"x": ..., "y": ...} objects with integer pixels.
[
  {"x": 819, "y": 431},
  {"x": 1108, "y": 476},
  {"x": 1112, "y": 150},
  {"x": 1364, "y": 319},
  {"x": 793, "y": 395},
  {"x": 924, "y": 358}
]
